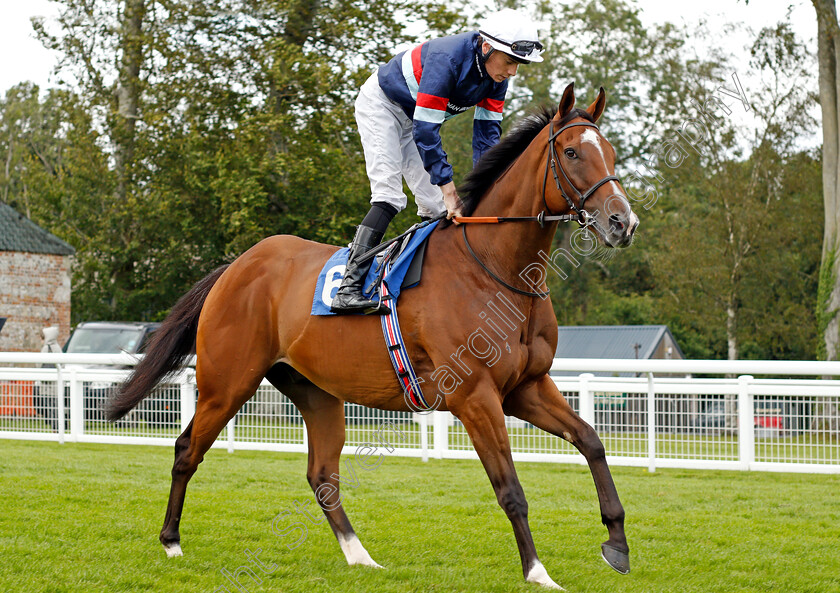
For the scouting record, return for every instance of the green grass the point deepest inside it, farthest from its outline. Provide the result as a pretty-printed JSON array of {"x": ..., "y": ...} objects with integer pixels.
[{"x": 79, "y": 517}]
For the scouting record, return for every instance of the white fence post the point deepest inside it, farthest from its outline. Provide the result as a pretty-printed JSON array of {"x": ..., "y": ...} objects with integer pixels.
[
  {"x": 230, "y": 426},
  {"x": 441, "y": 431},
  {"x": 59, "y": 402},
  {"x": 587, "y": 400},
  {"x": 651, "y": 424},
  {"x": 746, "y": 421},
  {"x": 423, "y": 421},
  {"x": 77, "y": 407},
  {"x": 187, "y": 398}
]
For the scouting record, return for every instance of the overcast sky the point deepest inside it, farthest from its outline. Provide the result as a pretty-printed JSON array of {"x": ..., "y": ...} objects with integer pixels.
[{"x": 25, "y": 59}]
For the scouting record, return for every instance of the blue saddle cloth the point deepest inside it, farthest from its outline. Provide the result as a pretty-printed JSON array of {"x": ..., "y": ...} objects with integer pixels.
[{"x": 329, "y": 279}]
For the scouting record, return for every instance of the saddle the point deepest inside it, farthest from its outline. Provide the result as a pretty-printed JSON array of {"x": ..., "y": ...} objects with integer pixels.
[
  {"x": 398, "y": 264},
  {"x": 414, "y": 255}
]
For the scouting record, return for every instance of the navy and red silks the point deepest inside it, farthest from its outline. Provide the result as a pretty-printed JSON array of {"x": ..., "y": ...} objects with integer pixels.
[{"x": 438, "y": 80}]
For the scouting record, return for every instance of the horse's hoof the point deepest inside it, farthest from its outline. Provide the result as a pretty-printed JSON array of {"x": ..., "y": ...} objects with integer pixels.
[
  {"x": 173, "y": 550},
  {"x": 539, "y": 575},
  {"x": 620, "y": 561}
]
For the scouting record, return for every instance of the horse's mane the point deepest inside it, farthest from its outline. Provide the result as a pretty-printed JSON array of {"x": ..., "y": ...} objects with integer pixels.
[{"x": 495, "y": 161}]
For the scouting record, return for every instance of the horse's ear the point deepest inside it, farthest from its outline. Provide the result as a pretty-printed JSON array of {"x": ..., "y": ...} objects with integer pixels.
[
  {"x": 597, "y": 107},
  {"x": 567, "y": 103}
]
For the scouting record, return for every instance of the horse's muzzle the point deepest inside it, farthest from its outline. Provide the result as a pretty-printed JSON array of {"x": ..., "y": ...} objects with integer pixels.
[{"x": 621, "y": 230}]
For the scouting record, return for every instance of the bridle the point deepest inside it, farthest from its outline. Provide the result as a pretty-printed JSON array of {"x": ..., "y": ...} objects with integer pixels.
[
  {"x": 580, "y": 215},
  {"x": 553, "y": 161}
]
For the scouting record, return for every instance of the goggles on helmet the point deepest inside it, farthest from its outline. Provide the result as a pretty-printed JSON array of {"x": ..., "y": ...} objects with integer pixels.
[{"x": 520, "y": 48}]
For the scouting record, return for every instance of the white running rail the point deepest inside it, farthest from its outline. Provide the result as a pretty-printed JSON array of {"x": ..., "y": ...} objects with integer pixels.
[{"x": 649, "y": 413}]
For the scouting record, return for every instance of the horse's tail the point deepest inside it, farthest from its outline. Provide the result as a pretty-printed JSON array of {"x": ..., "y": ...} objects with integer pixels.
[{"x": 168, "y": 349}]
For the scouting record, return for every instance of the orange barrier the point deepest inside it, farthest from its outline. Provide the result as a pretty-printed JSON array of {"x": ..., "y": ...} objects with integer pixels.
[{"x": 16, "y": 398}]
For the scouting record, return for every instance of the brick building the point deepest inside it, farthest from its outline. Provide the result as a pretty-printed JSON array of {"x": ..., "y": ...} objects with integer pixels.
[{"x": 34, "y": 282}]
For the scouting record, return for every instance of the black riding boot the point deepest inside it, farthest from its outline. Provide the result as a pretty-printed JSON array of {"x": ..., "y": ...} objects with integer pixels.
[{"x": 349, "y": 298}]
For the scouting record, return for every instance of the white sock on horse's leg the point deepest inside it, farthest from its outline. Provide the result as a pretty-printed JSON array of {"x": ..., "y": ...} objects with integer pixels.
[
  {"x": 538, "y": 575},
  {"x": 355, "y": 552}
]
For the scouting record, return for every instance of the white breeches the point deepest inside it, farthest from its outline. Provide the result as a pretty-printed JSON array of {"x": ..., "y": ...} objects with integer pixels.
[{"x": 391, "y": 154}]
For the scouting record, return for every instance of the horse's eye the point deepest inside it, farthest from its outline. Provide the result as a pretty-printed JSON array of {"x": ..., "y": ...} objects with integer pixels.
[{"x": 570, "y": 153}]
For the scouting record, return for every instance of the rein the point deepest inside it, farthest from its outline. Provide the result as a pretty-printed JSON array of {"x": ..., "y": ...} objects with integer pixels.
[
  {"x": 581, "y": 215},
  {"x": 540, "y": 294},
  {"x": 541, "y": 218}
]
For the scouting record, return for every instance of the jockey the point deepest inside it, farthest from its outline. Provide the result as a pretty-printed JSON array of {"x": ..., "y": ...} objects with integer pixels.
[{"x": 399, "y": 112}]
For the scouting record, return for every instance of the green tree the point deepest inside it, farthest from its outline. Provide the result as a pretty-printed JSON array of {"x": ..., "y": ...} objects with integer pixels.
[
  {"x": 658, "y": 82},
  {"x": 739, "y": 223},
  {"x": 828, "y": 52},
  {"x": 220, "y": 123},
  {"x": 780, "y": 280}
]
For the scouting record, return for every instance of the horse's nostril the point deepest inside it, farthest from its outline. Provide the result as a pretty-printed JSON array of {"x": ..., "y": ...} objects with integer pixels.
[{"x": 616, "y": 223}]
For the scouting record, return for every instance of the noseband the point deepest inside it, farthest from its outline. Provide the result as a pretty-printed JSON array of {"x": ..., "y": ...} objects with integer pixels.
[{"x": 553, "y": 161}]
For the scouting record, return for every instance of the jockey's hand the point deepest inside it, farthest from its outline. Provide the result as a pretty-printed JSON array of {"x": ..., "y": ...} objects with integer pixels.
[{"x": 451, "y": 200}]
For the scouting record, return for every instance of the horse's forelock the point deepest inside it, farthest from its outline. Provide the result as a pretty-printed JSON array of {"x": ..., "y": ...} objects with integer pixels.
[{"x": 574, "y": 114}]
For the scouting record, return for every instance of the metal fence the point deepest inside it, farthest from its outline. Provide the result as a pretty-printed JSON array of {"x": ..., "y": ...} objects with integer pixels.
[{"x": 660, "y": 416}]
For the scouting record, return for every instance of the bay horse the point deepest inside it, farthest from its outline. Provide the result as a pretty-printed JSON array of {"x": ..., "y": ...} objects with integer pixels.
[{"x": 251, "y": 319}]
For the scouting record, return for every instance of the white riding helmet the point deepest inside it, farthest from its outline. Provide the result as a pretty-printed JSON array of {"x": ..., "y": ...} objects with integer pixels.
[{"x": 512, "y": 33}]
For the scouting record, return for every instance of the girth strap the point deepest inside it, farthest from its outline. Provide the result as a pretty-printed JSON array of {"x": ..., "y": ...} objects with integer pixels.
[{"x": 406, "y": 376}]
